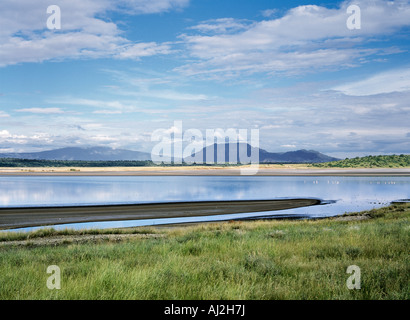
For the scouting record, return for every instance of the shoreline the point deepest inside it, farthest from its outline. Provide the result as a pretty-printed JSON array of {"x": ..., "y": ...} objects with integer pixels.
[
  {"x": 20, "y": 217},
  {"x": 264, "y": 170},
  {"x": 234, "y": 260}
]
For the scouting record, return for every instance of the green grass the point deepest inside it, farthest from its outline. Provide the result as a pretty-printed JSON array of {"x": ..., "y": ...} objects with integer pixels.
[
  {"x": 239, "y": 260},
  {"x": 50, "y": 232}
]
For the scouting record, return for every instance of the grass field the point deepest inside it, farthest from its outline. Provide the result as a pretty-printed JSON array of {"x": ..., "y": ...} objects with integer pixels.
[{"x": 237, "y": 260}]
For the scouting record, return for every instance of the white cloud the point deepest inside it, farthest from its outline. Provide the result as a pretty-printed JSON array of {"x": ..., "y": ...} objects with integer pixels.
[
  {"x": 105, "y": 106},
  {"x": 103, "y": 138},
  {"x": 52, "y": 46},
  {"x": 270, "y": 126},
  {"x": 306, "y": 38},
  {"x": 7, "y": 137},
  {"x": 13, "y": 140},
  {"x": 4, "y": 134},
  {"x": 222, "y": 25},
  {"x": 269, "y": 12},
  {"x": 172, "y": 95},
  {"x": 397, "y": 80},
  {"x": 108, "y": 112},
  {"x": 24, "y": 36},
  {"x": 136, "y": 51},
  {"x": 172, "y": 130},
  {"x": 42, "y": 110},
  {"x": 150, "y": 6},
  {"x": 158, "y": 86}
]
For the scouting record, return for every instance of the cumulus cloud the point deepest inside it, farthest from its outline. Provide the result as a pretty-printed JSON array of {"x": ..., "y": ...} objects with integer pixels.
[
  {"x": 306, "y": 38},
  {"x": 85, "y": 31},
  {"x": 7, "y": 137}
]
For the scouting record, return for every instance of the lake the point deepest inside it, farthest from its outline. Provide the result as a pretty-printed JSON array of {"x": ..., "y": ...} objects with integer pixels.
[{"x": 341, "y": 194}]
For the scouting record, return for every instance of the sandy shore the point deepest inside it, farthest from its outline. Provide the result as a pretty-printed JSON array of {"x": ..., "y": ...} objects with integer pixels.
[
  {"x": 264, "y": 170},
  {"x": 39, "y": 216}
]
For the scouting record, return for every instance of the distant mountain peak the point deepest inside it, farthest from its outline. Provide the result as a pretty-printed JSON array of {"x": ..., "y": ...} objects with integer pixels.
[{"x": 297, "y": 156}]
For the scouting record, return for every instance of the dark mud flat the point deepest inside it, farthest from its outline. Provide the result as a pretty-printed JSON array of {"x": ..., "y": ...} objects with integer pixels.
[{"x": 41, "y": 216}]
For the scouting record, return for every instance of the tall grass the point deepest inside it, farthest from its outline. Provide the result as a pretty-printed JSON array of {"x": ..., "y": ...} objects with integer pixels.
[
  {"x": 240, "y": 260},
  {"x": 51, "y": 232}
]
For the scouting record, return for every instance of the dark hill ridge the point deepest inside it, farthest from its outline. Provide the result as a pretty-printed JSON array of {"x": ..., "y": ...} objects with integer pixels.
[
  {"x": 110, "y": 154},
  {"x": 299, "y": 156}
]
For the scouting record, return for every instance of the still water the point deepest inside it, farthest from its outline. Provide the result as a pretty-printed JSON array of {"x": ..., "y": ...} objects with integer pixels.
[{"x": 342, "y": 194}]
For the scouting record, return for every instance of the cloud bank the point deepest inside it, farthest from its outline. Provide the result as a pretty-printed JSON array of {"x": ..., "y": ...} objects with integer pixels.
[{"x": 86, "y": 30}]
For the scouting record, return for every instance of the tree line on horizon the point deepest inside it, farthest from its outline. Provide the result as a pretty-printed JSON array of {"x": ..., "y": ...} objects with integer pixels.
[
  {"x": 15, "y": 162},
  {"x": 382, "y": 161}
]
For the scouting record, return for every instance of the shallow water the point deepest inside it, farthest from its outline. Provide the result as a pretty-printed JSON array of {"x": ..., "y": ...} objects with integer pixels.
[{"x": 345, "y": 194}]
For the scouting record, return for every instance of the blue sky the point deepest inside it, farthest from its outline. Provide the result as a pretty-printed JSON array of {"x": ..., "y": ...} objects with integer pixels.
[{"x": 117, "y": 71}]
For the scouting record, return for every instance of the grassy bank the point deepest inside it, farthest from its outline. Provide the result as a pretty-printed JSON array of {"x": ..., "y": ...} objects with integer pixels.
[
  {"x": 391, "y": 161},
  {"x": 238, "y": 260}
]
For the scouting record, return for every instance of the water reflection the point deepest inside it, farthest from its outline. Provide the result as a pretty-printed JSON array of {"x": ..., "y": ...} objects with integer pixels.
[{"x": 349, "y": 193}]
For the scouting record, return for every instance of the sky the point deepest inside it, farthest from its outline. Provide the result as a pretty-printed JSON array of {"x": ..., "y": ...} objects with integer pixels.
[{"x": 304, "y": 73}]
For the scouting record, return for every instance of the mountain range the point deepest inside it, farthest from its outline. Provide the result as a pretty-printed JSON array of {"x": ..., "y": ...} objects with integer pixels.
[
  {"x": 82, "y": 153},
  {"x": 110, "y": 154},
  {"x": 298, "y": 156}
]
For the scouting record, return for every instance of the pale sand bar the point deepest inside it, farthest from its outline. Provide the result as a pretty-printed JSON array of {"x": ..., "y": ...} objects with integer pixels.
[{"x": 264, "y": 170}]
